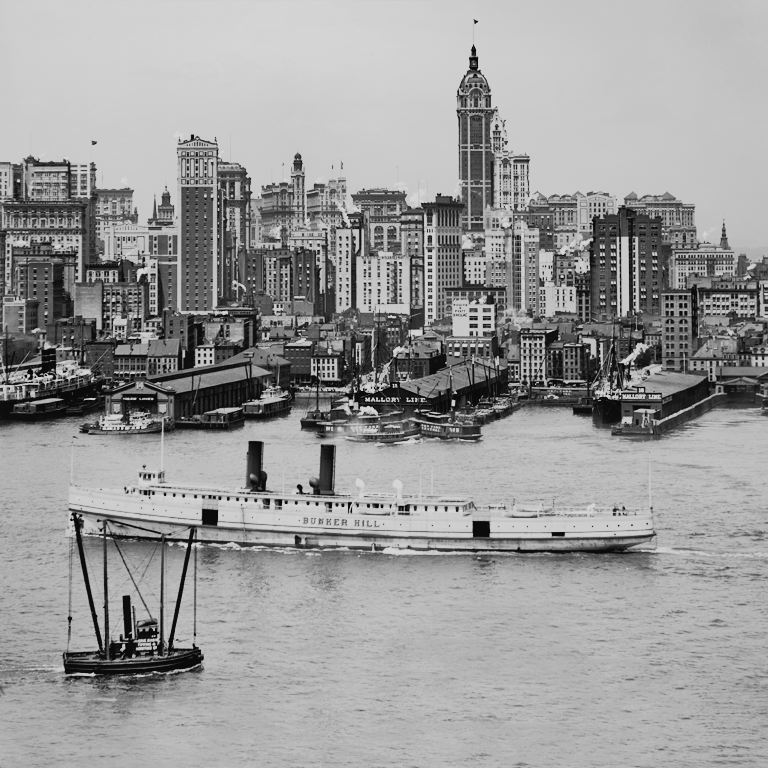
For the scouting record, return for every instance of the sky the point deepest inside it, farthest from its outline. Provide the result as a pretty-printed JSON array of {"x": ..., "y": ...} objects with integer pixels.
[{"x": 613, "y": 96}]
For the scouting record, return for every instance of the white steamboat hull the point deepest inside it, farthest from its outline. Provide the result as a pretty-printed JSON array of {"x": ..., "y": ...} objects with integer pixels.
[{"x": 331, "y": 522}]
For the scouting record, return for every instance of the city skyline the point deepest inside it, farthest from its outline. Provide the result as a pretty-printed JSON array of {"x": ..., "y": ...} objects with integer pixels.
[{"x": 688, "y": 122}]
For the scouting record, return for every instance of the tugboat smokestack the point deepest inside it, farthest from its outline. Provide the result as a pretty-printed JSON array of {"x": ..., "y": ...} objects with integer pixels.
[{"x": 127, "y": 617}]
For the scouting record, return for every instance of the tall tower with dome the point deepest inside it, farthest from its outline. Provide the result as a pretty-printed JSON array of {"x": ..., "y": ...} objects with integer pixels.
[{"x": 475, "y": 113}]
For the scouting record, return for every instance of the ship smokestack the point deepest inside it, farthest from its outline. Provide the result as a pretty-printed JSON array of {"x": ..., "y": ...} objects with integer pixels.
[
  {"x": 127, "y": 617},
  {"x": 255, "y": 476},
  {"x": 327, "y": 467}
]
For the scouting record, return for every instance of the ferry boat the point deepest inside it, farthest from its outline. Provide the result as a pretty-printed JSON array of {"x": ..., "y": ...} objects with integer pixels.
[
  {"x": 273, "y": 402},
  {"x": 135, "y": 423},
  {"x": 38, "y": 410},
  {"x": 444, "y": 426},
  {"x": 68, "y": 381},
  {"x": 255, "y": 515},
  {"x": 386, "y": 433},
  {"x": 366, "y": 420},
  {"x": 221, "y": 418}
]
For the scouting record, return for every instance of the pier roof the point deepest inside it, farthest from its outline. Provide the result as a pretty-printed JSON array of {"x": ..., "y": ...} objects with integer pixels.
[{"x": 665, "y": 382}]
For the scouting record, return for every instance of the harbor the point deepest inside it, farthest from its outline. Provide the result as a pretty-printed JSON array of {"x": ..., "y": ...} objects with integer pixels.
[{"x": 650, "y": 606}]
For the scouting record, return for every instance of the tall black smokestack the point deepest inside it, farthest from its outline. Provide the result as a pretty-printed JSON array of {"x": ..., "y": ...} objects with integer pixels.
[
  {"x": 127, "y": 619},
  {"x": 327, "y": 469},
  {"x": 255, "y": 477}
]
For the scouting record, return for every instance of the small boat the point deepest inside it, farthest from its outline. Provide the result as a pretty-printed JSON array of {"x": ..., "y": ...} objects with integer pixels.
[
  {"x": 141, "y": 647},
  {"x": 386, "y": 432},
  {"x": 444, "y": 426},
  {"x": 584, "y": 406},
  {"x": 315, "y": 415},
  {"x": 221, "y": 418},
  {"x": 38, "y": 410},
  {"x": 273, "y": 402},
  {"x": 134, "y": 423},
  {"x": 83, "y": 405}
]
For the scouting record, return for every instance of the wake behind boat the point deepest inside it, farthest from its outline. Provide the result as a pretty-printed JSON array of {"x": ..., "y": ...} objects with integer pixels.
[{"x": 254, "y": 515}]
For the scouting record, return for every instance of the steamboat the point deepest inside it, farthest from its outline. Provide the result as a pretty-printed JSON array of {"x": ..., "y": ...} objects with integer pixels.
[{"x": 323, "y": 518}]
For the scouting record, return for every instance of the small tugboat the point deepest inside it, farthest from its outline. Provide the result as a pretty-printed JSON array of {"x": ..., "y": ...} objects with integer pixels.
[
  {"x": 221, "y": 418},
  {"x": 444, "y": 426},
  {"x": 584, "y": 406},
  {"x": 135, "y": 423},
  {"x": 273, "y": 402},
  {"x": 141, "y": 648},
  {"x": 38, "y": 410},
  {"x": 315, "y": 415},
  {"x": 386, "y": 433}
]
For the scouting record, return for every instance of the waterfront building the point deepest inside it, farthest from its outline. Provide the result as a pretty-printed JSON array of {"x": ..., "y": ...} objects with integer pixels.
[
  {"x": 700, "y": 260},
  {"x": 327, "y": 366},
  {"x": 442, "y": 254},
  {"x": 476, "y": 161},
  {"x": 678, "y": 226},
  {"x": 624, "y": 263},
  {"x": 216, "y": 353},
  {"x": 533, "y": 354},
  {"x": 568, "y": 361},
  {"x": 382, "y": 209},
  {"x": 680, "y": 328},
  {"x": 299, "y": 354},
  {"x": 198, "y": 282}
]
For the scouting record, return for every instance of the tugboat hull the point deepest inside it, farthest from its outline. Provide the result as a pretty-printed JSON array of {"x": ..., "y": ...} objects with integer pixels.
[{"x": 91, "y": 663}]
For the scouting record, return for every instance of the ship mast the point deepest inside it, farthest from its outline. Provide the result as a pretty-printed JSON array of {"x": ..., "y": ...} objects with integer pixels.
[
  {"x": 78, "y": 523},
  {"x": 162, "y": 596},
  {"x": 181, "y": 589},
  {"x": 106, "y": 596}
]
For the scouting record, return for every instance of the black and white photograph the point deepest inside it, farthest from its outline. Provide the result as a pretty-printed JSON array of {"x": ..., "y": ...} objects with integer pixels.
[{"x": 383, "y": 383}]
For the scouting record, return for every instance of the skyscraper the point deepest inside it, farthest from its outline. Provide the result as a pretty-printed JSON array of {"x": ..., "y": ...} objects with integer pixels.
[
  {"x": 198, "y": 279},
  {"x": 475, "y": 114}
]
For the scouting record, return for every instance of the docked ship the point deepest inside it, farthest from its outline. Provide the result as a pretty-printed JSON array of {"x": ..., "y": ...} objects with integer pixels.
[
  {"x": 221, "y": 418},
  {"x": 134, "y": 423},
  {"x": 68, "y": 381},
  {"x": 365, "y": 420},
  {"x": 273, "y": 402},
  {"x": 255, "y": 515},
  {"x": 607, "y": 388}
]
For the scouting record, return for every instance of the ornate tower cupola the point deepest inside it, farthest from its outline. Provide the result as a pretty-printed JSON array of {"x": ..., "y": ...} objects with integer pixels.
[
  {"x": 724, "y": 239},
  {"x": 297, "y": 164},
  {"x": 473, "y": 59}
]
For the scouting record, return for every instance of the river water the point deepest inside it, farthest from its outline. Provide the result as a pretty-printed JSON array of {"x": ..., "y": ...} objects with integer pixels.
[{"x": 649, "y": 658}]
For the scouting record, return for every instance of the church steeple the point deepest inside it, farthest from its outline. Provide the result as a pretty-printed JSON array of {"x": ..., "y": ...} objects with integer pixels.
[
  {"x": 724, "y": 239},
  {"x": 473, "y": 59}
]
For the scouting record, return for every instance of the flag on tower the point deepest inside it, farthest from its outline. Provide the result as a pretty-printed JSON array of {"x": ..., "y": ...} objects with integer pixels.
[
  {"x": 342, "y": 164},
  {"x": 475, "y": 20},
  {"x": 93, "y": 142}
]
